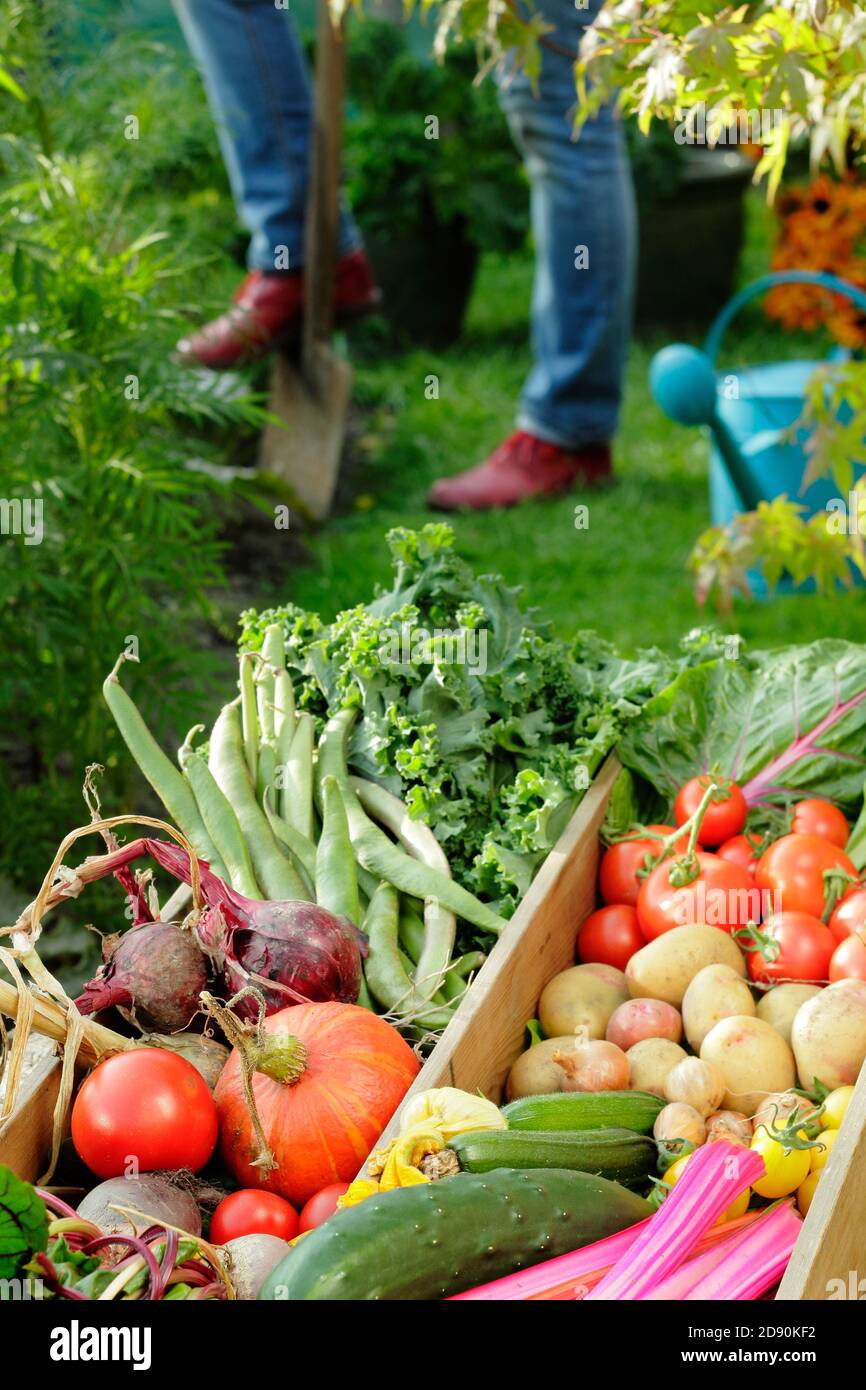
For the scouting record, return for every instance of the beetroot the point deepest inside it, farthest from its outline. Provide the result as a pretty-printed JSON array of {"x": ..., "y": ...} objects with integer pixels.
[
  {"x": 155, "y": 972},
  {"x": 293, "y": 952}
]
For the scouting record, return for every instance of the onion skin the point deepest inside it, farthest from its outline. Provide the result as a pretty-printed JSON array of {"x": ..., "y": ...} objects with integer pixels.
[
  {"x": 680, "y": 1121},
  {"x": 696, "y": 1083},
  {"x": 594, "y": 1066},
  {"x": 155, "y": 972},
  {"x": 729, "y": 1125}
]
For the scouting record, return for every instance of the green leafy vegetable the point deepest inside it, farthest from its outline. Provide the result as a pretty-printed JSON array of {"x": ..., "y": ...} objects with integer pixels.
[
  {"x": 23, "y": 1222},
  {"x": 784, "y": 723}
]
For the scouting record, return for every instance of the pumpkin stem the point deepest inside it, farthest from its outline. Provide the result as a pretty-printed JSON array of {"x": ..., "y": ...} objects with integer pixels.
[{"x": 280, "y": 1056}]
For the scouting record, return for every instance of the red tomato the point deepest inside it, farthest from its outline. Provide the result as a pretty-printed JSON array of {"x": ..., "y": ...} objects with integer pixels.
[
  {"x": 848, "y": 961},
  {"x": 724, "y": 816},
  {"x": 794, "y": 867},
  {"x": 610, "y": 935},
  {"x": 322, "y": 1205},
  {"x": 253, "y": 1213},
  {"x": 821, "y": 818},
  {"x": 848, "y": 914},
  {"x": 617, "y": 874},
  {"x": 723, "y": 895},
  {"x": 806, "y": 946},
  {"x": 142, "y": 1110},
  {"x": 739, "y": 850}
]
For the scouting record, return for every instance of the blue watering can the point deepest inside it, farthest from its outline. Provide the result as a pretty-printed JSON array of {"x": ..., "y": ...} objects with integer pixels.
[{"x": 752, "y": 457}]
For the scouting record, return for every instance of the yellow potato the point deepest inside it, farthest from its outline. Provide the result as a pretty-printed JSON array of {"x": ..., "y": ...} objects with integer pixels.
[
  {"x": 829, "y": 1035},
  {"x": 780, "y": 1004},
  {"x": 665, "y": 968},
  {"x": 583, "y": 997},
  {"x": 716, "y": 992},
  {"x": 650, "y": 1061},
  {"x": 753, "y": 1059}
]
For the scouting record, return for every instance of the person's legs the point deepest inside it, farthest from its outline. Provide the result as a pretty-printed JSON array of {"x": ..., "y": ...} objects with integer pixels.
[
  {"x": 259, "y": 92},
  {"x": 583, "y": 220}
]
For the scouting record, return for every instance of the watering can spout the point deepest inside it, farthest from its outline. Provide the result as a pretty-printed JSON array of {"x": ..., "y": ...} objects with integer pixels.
[{"x": 683, "y": 382}]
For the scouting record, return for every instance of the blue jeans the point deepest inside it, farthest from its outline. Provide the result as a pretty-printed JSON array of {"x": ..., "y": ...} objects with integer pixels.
[
  {"x": 582, "y": 203},
  {"x": 259, "y": 92},
  {"x": 584, "y": 228}
]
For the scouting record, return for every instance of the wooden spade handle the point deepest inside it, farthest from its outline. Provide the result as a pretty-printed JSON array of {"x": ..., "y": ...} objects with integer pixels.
[{"x": 322, "y": 216}]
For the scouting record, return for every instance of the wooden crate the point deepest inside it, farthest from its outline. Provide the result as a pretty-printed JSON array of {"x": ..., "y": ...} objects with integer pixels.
[{"x": 479, "y": 1046}]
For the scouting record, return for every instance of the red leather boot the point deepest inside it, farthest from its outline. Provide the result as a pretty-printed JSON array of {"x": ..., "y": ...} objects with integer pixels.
[
  {"x": 267, "y": 310},
  {"x": 523, "y": 466}
]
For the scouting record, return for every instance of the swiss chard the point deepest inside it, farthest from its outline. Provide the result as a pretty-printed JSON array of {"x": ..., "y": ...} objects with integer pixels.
[
  {"x": 23, "y": 1223},
  {"x": 783, "y": 724}
]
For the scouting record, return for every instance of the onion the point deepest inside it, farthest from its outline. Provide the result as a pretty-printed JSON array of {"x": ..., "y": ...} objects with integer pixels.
[
  {"x": 593, "y": 1065},
  {"x": 697, "y": 1083},
  {"x": 250, "y": 1259},
  {"x": 153, "y": 973},
  {"x": 293, "y": 952},
  {"x": 151, "y": 1194},
  {"x": 206, "y": 1054},
  {"x": 779, "y": 1107},
  {"x": 730, "y": 1125},
  {"x": 679, "y": 1121}
]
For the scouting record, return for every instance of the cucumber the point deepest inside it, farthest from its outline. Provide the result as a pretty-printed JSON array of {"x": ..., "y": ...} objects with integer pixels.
[
  {"x": 635, "y": 1110},
  {"x": 617, "y": 1154},
  {"x": 440, "y": 1238}
]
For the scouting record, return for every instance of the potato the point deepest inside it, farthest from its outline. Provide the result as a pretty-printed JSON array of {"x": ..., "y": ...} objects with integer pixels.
[
  {"x": 716, "y": 992},
  {"x": 650, "y": 1061},
  {"x": 637, "y": 1019},
  {"x": 753, "y": 1059},
  {"x": 829, "y": 1035},
  {"x": 583, "y": 997},
  {"x": 535, "y": 1073},
  {"x": 779, "y": 1005},
  {"x": 666, "y": 967}
]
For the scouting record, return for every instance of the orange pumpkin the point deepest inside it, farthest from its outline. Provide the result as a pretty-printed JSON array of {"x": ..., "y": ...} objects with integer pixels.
[{"x": 326, "y": 1079}]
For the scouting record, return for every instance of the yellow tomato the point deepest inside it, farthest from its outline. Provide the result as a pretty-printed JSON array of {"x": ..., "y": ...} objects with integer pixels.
[
  {"x": 818, "y": 1157},
  {"x": 806, "y": 1191},
  {"x": 835, "y": 1107},
  {"x": 737, "y": 1207},
  {"x": 784, "y": 1169}
]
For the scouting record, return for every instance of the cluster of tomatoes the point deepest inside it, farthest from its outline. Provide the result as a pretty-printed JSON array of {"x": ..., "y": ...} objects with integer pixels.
[{"x": 802, "y": 888}]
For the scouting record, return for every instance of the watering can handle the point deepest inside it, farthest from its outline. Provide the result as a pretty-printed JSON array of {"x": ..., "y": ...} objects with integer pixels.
[{"x": 767, "y": 282}]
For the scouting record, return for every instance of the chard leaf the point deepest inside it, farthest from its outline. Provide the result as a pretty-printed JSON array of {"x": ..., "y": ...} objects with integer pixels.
[
  {"x": 783, "y": 723},
  {"x": 23, "y": 1222}
]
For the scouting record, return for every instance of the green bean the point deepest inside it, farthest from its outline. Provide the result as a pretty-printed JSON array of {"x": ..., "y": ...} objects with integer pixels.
[
  {"x": 385, "y": 967},
  {"x": 411, "y": 933},
  {"x": 272, "y": 869},
  {"x": 336, "y": 884},
  {"x": 273, "y": 660},
  {"x": 285, "y": 720},
  {"x": 219, "y": 818},
  {"x": 301, "y": 849},
  {"x": 380, "y": 855},
  {"x": 365, "y": 999},
  {"x": 468, "y": 963},
  {"x": 296, "y": 802},
  {"x": 166, "y": 780},
  {"x": 267, "y": 769},
  {"x": 249, "y": 714}
]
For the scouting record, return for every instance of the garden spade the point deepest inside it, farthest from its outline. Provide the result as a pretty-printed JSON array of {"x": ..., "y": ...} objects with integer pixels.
[{"x": 310, "y": 394}]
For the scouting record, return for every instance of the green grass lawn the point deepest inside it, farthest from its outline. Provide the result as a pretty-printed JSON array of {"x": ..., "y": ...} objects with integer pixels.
[{"x": 626, "y": 573}]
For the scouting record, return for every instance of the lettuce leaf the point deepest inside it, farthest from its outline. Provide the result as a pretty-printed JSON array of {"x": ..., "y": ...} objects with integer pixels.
[{"x": 783, "y": 724}]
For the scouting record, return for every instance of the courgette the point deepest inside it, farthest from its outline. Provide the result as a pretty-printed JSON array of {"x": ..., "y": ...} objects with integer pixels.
[
  {"x": 617, "y": 1154},
  {"x": 635, "y": 1110},
  {"x": 439, "y": 1238}
]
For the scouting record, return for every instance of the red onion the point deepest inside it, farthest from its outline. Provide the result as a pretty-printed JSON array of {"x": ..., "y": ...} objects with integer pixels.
[{"x": 293, "y": 952}]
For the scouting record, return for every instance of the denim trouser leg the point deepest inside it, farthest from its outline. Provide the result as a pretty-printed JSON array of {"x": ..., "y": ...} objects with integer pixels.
[
  {"x": 259, "y": 92},
  {"x": 583, "y": 215}
]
